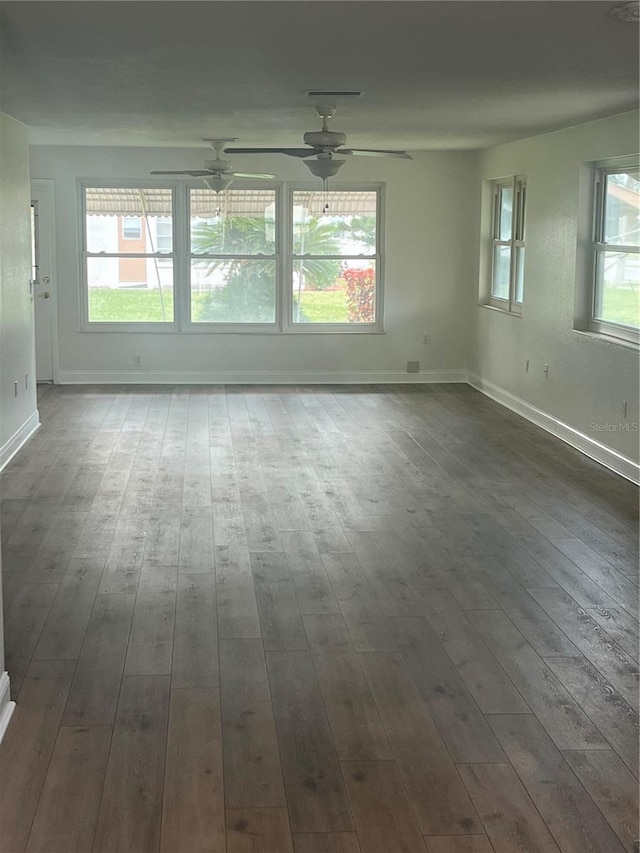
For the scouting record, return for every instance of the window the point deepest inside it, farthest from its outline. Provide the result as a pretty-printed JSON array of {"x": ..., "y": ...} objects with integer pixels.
[
  {"x": 507, "y": 249},
  {"x": 125, "y": 281},
  {"x": 131, "y": 227},
  {"x": 164, "y": 234},
  {"x": 616, "y": 252},
  {"x": 261, "y": 258},
  {"x": 334, "y": 258},
  {"x": 233, "y": 256}
]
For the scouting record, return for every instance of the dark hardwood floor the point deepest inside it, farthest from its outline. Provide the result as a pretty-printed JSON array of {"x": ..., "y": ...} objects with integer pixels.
[{"x": 315, "y": 620}]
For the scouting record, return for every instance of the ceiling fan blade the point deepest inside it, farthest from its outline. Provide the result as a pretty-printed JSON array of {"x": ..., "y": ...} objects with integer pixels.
[
  {"x": 290, "y": 152},
  {"x": 375, "y": 152},
  {"x": 195, "y": 174},
  {"x": 256, "y": 175}
]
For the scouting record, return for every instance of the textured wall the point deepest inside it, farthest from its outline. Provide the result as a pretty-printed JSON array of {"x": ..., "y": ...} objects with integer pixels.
[
  {"x": 16, "y": 310},
  {"x": 588, "y": 377}
]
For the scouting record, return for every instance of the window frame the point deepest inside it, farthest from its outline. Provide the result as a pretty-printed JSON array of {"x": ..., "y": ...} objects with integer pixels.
[
  {"x": 291, "y": 327},
  {"x": 181, "y": 258},
  {"x": 515, "y": 242},
  {"x": 213, "y": 327},
  {"x": 111, "y": 326},
  {"x": 617, "y": 332}
]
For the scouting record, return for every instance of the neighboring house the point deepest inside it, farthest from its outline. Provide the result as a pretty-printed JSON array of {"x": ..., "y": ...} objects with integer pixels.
[{"x": 119, "y": 235}]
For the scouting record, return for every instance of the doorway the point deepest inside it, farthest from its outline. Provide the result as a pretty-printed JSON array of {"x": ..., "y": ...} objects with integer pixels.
[{"x": 43, "y": 281}]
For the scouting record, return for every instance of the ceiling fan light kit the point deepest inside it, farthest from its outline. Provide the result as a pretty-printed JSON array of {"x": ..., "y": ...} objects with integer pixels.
[
  {"x": 218, "y": 174},
  {"x": 218, "y": 183},
  {"x": 325, "y": 168}
]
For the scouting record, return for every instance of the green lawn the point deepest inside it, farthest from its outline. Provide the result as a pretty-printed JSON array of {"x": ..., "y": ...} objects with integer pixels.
[
  {"x": 317, "y": 306},
  {"x": 621, "y": 306},
  {"x": 108, "y": 305},
  {"x": 322, "y": 306}
]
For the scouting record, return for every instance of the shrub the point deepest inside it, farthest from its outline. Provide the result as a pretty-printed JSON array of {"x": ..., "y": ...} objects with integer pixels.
[{"x": 360, "y": 294}]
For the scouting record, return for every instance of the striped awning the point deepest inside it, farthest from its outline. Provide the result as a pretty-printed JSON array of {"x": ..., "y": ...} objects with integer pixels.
[
  {"x": 120, "y": 201},
  {"x": 155, "y": 201}
]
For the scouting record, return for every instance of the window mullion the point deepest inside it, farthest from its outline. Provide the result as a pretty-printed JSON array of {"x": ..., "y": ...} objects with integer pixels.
[
  {"x": 283, "y": 271},
  {"x": 181, "y": 248}
]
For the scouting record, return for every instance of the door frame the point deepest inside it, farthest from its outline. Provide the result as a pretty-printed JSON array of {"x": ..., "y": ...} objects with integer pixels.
[{"x": 43, "y": 192}]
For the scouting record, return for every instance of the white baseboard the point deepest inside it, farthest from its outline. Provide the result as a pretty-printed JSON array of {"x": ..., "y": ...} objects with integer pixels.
[
  {"x": 13, "y": 445},
  {"x": 7, "y": 707},
  {"x": 247, "y": 377},
  {"x": 622, "y": 465}
]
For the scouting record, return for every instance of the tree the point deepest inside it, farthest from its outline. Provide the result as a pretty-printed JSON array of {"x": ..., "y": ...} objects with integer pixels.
[{"x": 248, "y": 292}]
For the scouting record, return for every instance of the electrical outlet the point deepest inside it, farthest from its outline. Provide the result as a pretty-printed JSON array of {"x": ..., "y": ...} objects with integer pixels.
[
  {"x": 137, "y": 360},
  {"x": 546, "y": 371},
  {"x": 426, "y": 339}
]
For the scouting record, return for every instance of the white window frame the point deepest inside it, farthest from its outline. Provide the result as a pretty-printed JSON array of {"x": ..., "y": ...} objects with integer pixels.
[
  {"x": 276, "y": 256},
  {"x": 181, "y": 258},
  {"x": 515, "y": 242},
  {"x": 95, "y": 326},
  {"x": 624, "y": 333},
  {"x": 289, "y": 326}
]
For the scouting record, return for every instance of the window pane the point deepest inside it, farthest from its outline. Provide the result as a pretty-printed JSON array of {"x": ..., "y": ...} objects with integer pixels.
[
  {"x": 617, "y": 288},
  {"x": 332, "y": 291},
  {"x": 519, "y": 274},
  {"x": 505, "y": 213},
  {"x": 233, "y": 291},
  {"x": 124, "y": 221},
  {"x": 234, "y": 222},
  {"x": 622, "y": 208},
  {"x": 129, "y": 290},
  {"x": 501, "y": 265},
  {"x": 334, "y": 223}
]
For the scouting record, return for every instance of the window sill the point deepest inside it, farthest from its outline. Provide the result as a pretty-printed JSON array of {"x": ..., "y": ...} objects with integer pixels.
[
  {"x": 505, "y": 311},
  {"x": 608, "y": 339},
  {"x": 171, "y": 329}
]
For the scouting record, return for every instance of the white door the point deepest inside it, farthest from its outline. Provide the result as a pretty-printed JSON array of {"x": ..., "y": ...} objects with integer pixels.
[{"x": 43, "y": 278}]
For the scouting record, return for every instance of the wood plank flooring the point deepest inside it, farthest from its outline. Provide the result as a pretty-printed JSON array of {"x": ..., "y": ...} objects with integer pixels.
[{"x": 335, "y": 619}]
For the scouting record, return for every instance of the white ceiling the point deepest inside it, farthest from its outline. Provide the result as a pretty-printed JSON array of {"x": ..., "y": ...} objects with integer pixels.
[{"x": 437, "y": 74}]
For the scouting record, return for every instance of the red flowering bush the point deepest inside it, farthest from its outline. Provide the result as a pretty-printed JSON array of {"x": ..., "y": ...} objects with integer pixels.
[{"x": 360, "y": 294}]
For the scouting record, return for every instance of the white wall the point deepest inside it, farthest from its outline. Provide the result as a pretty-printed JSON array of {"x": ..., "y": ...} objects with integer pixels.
[
  {"x": 427, "y": 275},
  {"x": 588, "y": 376},
  {"x": 18, "y": 414},
  {"x": 17, "y": 354}
]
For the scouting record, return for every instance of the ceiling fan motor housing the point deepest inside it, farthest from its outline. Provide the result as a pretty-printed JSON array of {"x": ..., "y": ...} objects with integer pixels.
[{"x": 325, "y": 139}]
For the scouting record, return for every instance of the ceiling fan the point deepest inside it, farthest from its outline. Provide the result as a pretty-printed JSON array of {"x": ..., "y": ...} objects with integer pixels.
[
  {"x": 323, "y": 144},
  {"x": 219, "y": 174}
]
